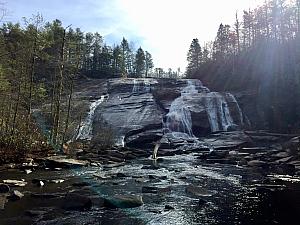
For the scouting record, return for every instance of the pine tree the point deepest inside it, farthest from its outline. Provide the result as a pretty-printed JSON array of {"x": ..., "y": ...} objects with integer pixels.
[
  {"x": 194, "y": 57},
  {"x": 140, "y": 65},
  {"x": 148, "y": 63}
]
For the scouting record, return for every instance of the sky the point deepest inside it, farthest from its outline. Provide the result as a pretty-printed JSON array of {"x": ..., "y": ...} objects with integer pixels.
[{"x": 165, "y": 28}]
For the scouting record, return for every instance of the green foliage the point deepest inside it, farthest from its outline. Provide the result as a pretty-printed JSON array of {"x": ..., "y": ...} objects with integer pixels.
[{"x": 261, "y": 56}]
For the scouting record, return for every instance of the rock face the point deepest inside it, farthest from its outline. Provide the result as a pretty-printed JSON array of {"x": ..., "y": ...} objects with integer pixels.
[{"x": 141, "y": 111}]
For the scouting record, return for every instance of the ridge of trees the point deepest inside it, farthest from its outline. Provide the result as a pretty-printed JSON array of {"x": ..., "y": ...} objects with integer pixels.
[
  {"x": 258, "y": 54},
  {"x": 39, "y": 63}
]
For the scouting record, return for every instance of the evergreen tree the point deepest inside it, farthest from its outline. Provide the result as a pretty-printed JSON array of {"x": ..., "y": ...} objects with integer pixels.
[
  {"x": 194, "y": 57},
  {"x": 140, "y": 64},
  {"x": 148, "y": 63}
]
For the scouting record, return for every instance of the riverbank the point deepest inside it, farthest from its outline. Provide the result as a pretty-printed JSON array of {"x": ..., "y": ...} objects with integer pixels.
[{"x": 235, "y": 183}]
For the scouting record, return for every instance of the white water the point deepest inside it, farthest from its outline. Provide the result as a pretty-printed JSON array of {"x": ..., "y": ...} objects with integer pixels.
[
  {"x": 218, "y": 112},
  {"x": 179, "y": 119},
  {"x": 86, "y": 127},
  {"x": 141, "y": 86},
  {"x": 238, "y": 107}
]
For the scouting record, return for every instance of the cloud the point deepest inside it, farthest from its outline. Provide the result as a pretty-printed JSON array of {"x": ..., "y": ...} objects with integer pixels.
[{"x": 163, "y": 27}]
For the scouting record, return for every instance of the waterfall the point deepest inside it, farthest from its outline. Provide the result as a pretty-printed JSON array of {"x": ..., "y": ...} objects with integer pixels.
[
  {"x": 141, "y": 86},
  {"x": 233, "y": 99},
  {"x": 86, "y": 128},
  {"x": 179, "y": 119},
  {"x": 218, "y": 112}
]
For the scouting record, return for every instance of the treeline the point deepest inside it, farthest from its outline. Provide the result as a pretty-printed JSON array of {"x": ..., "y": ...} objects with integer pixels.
[
  {"x": 39, "y": 63},
  {"x": 258, "y": 54}
]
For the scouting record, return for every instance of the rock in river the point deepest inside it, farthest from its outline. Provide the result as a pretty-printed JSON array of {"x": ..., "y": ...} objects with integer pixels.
[
  {"x": 78, "y": 202},
  {"x": 124, "y": 201},
  {"x": 4, "y": 188},
  {"x": 198, "y": 191}
]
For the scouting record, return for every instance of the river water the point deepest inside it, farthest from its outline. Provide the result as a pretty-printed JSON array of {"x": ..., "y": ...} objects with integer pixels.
[{"x": 237, "y": 195}]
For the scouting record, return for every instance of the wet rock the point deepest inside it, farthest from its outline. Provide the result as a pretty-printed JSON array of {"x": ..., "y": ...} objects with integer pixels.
[
  {"x": 155, "y": 190},
  {"x": 201, "y": 202},
  {"x": 169, "y": 207},
  {"x": 34, "y": 213},
  {"x": 121, "y": 175},
  {"x": 64, "y": 162},
  {"x": 97, "y": 201},
  {"x": 16, "y": 183},
  {"x": 140, "y": 180},
  {"x": 124, "y": 201},
  {"x": 81, "y": 184},
  {"x": 288, "y": 169},
  {"x": 150, "y": 167},
  {"x": 45, "y": 195},
  {"x": 257, "y": 163},
  {"x": 38, "y": 182},
  {"x": 282, "y": 155},
  {"x": 15, "y": 195},
  {"x": 3, "y": 201},
  {"x": 76, "y": 202},
  {"x": 155, "y": 177},
  {"x": 58, "y": 181},
  {"x": 198, "y": 191},
  {"x": 4, "y": 188}
]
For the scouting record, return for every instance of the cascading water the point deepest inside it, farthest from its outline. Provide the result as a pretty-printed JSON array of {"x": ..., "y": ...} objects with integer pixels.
[
  {"x": 218, "y": 112},
  {"x": 85, "y": 130},
  {"x": 179, "y": 121},
  {"x": 232, "y": 98},
  {"x": 141, "y": 86}
]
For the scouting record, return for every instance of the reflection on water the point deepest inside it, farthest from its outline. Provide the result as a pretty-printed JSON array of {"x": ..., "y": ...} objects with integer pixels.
[{"x": 235, "y": 199}]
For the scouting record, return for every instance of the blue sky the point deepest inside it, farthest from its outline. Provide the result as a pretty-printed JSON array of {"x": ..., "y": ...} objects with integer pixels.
[{"x": 163, "y": 27}]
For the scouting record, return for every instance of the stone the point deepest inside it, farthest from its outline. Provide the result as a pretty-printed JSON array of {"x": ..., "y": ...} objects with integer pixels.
[
  {"x": 81, "y": 184},
  {"x": 198, "y": 191},
  {"x": 45, "y": 195},
  {"x": 16, "y": 183},
  {"x": 64, "y": 162},
  {"x": 257, "y": 163},
  {"x": 76, "y": 202},
  {"x": 15, "y": 195},
  {"x": 169, "y": 207},
  {"x": 124, "y": 201},
  {"x": 3, "y": 201},
  {"x": 4, "y": 188},
  {"x": 155, "y": 190},
  {"x": 201, "y": 202},
  {"x": 34, "y": 213}
]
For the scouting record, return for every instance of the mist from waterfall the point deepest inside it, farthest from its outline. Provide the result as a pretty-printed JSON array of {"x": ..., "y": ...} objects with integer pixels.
[{"x": 86, "y": 128}]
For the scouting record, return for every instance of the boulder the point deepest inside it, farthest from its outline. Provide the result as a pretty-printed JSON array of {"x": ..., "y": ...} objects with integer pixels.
[
  {"x": 15, "y": 195},
  {"x": 257, "y": 163},
  {"x": 64, "y": 162},
  {"x": 16, "y": 183},
  {"x": 76, "y": 202},
  {"x": 3, "y": 201},
  {"x": 4, "y": 188},
  {"x": 198, "y": 191},
  {"x": 124, "y": 201},
  {"x": 155, "y": 190}
]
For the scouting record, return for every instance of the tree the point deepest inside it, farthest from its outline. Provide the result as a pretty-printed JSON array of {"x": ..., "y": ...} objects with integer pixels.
[
  {"x": 140, "y": 65},
  {"x": 194, "y": 57},
  {"x": 148, "y": 63}
]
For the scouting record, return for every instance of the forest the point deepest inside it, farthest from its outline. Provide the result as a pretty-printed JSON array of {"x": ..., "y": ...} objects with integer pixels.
[
  {"x": 39, "y": 62},
  {"x": 92, "y": 132},
  {"x": 258, "y": 55}
]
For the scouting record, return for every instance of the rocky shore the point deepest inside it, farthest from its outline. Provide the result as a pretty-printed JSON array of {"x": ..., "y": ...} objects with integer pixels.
[{"x": 46, "y": 190}]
